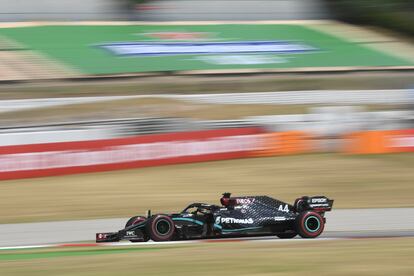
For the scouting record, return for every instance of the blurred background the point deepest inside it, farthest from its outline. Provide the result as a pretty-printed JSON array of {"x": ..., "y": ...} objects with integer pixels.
[{"x": 111, "y": 107}]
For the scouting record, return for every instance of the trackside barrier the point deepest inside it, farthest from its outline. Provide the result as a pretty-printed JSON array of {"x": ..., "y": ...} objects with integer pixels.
[
  {"x": 380, "y": 141},
  {"x": 38, "y": 160},
  {"x": 284, "y": 143},
  {"x": 50, "y": 159}
]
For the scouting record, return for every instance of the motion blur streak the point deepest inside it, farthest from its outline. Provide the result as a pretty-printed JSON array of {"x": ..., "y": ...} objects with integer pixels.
[{"x": 109, "y": 108}]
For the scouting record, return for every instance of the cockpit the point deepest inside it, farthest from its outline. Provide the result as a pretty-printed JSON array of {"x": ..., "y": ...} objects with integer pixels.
[{"x": 200, "y": 208}]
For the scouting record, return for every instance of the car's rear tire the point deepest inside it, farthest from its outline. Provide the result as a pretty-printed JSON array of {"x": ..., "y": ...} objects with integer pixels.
[
  {"x": 160, "y": 228},
  {"x": 133, "y": 221},
  {"x": 309, "y": 224},
  {"x": 287, "y": 235}
]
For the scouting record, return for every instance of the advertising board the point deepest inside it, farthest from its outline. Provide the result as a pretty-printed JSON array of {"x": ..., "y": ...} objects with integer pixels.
[{"x": 123, "y": 153}]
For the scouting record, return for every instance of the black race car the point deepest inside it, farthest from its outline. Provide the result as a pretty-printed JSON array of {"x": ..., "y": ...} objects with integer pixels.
[{"x": 236, "y": 217}]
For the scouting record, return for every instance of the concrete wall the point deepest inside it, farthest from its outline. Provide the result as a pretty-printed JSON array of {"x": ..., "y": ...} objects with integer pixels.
[
  {"x": 160, "y": 10},
  {"x": 39, "y": 10},
  {"x": 54, "y": 136}
]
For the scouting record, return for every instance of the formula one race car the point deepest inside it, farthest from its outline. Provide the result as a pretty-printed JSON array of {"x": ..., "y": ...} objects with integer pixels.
[{"x": 237, "y": 217}]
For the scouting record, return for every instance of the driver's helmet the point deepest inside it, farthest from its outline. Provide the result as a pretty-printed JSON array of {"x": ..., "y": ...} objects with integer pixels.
[{"x": 226, "y": 200}]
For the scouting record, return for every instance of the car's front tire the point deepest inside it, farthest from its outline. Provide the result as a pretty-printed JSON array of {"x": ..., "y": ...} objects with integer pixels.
[
  {"x": 160, "y": 228},
  {"x": 309, "y": 224}
]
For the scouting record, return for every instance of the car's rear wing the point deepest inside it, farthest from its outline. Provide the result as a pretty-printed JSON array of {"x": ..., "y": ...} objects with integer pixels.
[{"x": 319, "y": 204}]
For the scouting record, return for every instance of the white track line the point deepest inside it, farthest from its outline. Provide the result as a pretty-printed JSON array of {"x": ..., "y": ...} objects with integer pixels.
[{"x": 27, "y": 246}]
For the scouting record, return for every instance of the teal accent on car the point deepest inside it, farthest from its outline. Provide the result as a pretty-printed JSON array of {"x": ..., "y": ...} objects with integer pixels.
[
  {"x": 306, "y": 224},
  {"x": 190, "y": 220},
  {"x": 241, "y": 229},
  {"x": 218, "y": 226}
]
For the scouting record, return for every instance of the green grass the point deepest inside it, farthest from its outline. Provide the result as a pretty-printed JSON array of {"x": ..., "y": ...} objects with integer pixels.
[
  {"x": 13, "y": 255},
  {"x": 77, "y": 47},
  {"x": 335, "y": 257}
]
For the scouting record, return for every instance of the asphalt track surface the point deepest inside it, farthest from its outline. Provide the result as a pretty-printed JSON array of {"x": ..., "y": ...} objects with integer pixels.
[{"x": 347, "y": 223}]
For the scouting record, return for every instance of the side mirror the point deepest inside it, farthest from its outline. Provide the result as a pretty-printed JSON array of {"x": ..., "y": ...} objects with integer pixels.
[{"x": 148, "y": 213}]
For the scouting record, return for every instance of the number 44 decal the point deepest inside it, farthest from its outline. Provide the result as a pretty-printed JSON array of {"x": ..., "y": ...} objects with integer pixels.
[{"x": 283, "y": 209}]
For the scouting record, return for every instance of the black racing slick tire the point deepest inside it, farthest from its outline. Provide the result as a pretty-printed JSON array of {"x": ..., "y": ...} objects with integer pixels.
[
  {"x": 160, "y": 228},
  {"x": 287, "y": 235},
  {"x": 136, "y": 220},
  {"x": 309, "y": 224}
]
